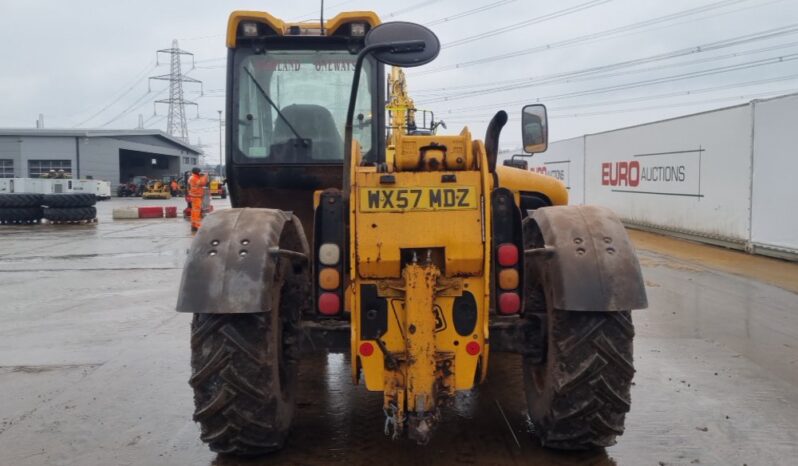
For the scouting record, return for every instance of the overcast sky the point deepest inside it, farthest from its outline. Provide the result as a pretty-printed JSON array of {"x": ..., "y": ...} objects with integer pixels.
[{"x": 84, "y": 63}]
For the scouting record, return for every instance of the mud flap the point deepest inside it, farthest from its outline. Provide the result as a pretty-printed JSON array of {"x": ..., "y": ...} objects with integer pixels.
[
  {"x": 231, "y": 263},
  {"x": 587, "y": 255}
]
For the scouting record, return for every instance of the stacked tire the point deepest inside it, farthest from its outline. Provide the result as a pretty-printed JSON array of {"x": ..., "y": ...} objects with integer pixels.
[
  {"x": 70, "y": 208},
  {"x": 20, "y": 208}
]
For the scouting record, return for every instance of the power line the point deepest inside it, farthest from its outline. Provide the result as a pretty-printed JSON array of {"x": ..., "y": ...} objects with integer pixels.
[
  {"x": 595, "y": 71},
  {"x": 137, "y": 104},
  {"x": 499, "y": 85},
  {"x": 470, "y": 12},
  {"x": 648, "y": 82},
  {"x": 585, "y": 37},
  {"x": 140, "y": 77},
  {"x": 128, "y": 109},
  {"x": 739, "y": 40},
  {"x": 412, "y": 7},
  {"x": 555, "y": 115},
  {"x": 529, "y": 22},
  {"x": 667, "y": 95},
  {"x": 674, "y": 105},
  {"x": 156, "y": 121},
  {"x": 691, "y": 92}
]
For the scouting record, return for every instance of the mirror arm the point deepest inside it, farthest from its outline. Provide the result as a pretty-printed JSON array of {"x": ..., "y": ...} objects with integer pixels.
[
  {"x": 492, "y": 138},
  {"x": 396, "y": 47}
]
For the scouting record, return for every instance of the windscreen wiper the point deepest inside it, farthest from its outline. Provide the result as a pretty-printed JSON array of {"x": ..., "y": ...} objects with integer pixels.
[{"x": 271, "y": 102}]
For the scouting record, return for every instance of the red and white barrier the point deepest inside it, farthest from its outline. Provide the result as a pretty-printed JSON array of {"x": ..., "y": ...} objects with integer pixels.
[{"x": 127, "y": 213}]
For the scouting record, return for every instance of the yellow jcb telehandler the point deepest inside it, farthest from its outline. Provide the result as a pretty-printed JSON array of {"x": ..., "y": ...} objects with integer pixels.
[
  {"x": 417, "y": 255},
  {"x": 157, "y": 189}
]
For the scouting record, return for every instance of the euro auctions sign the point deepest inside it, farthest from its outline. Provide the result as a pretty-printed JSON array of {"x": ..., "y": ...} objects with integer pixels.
[{"x": 674, "y": 173}]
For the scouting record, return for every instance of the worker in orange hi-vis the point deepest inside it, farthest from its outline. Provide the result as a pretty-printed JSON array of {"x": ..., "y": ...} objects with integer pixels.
[{"x": 196, "y": 192}]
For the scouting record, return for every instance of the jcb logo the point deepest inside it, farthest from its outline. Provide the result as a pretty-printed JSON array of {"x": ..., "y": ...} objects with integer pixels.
[
  {"x": 440, "y": 320},
  {"x": 426, "y": 198}
]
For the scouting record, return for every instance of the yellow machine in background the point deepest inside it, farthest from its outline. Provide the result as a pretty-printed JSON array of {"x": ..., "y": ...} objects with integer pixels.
[
  {"x": 402, "y": 110},
  {"x": 217, "y": 187},
  {"x": 411, "y": 251},
  {"x": 402, "y": 113},
  {"x": 157, "y": 190}
]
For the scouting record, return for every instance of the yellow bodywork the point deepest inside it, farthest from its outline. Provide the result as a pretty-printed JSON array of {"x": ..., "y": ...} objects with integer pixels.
[
  {"x": 518, "y": 181},
  {"x": 427, "y": 360},
  {"x": 449, "y": 243},
  {"x": 281, "y": 27}
]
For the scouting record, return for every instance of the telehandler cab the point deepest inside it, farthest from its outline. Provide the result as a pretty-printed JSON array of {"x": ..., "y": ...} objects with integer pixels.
[{"x": 417, "y": 254}]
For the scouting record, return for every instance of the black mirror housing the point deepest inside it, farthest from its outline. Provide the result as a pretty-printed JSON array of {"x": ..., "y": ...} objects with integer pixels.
[
  {"x": 534, "y": 129},
  {"x": 517, "y": 161},
  {"x": 406, "y": 44}
]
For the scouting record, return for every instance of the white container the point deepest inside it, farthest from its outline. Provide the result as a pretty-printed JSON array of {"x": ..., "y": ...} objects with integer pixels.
[
  {"x": 101, "y": 189},
  {"x": 774, "y": 220}
]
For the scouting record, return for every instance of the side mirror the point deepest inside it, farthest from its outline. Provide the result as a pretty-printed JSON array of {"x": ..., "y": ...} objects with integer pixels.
[
  {"x": 404, "y": 44},
  {"x": 534, "y": 129}
]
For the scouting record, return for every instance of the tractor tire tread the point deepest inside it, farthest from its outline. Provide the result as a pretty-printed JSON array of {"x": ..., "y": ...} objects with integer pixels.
[
  {"x": 14, "y": 200},
  {"x": 69, "y": 200},
  {"x": 592, "y": 372},
  {"x": 20, "y": 215},
  {"x": 72, "y": 214},
  {"x": 236, "y": 406}
]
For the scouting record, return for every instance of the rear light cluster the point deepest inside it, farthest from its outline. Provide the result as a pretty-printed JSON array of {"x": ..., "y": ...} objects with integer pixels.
[
  {"x": 329, "y": 279},
  {"x": 509, "y": 301},
  {"x": 507, "y": 261},
  {"x": 329, "y": 236}
]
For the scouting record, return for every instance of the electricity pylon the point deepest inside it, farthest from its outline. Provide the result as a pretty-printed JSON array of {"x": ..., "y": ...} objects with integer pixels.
[{"x": 176, "y": 120}]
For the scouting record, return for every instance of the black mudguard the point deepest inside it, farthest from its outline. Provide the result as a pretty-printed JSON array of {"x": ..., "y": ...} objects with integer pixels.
[
  {"x": 587, "y": 259},
  {"x": 231, "y": 264}
]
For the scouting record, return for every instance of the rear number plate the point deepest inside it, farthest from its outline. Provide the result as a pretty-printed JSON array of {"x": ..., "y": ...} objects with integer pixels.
[{"x": 421, "y": 198}]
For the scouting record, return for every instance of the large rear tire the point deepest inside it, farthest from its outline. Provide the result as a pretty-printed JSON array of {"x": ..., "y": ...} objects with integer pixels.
[
  {"x": 578, "y": 396},
  {"x": 244, "y": 374}
]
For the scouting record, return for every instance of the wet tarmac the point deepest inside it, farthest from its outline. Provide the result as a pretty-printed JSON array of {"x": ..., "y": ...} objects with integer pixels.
[{"x": 94, "y": 364}]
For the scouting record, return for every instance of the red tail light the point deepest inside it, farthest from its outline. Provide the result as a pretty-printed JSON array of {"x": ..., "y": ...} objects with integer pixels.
[
  {"x": 329, "y": 304},
  {"x": 509, "y": 303},
  {"x": 366, "y": 349},
  {"x": 507, "y": 254},
  {"x": 472, "y": 348}
]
